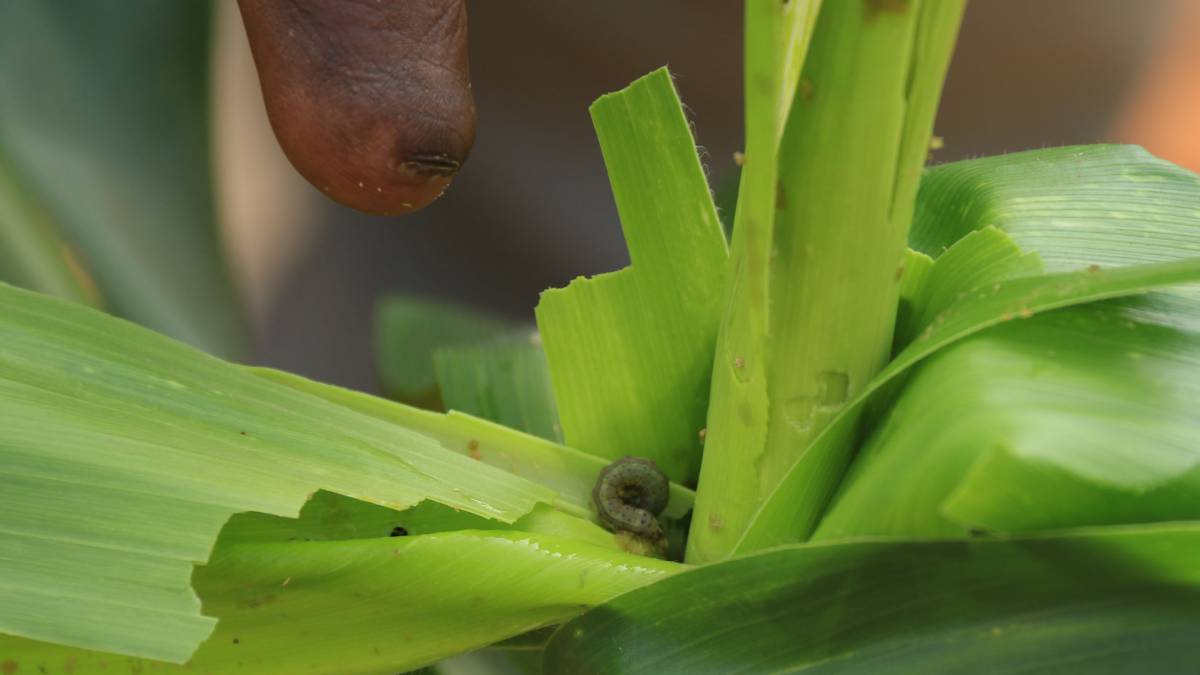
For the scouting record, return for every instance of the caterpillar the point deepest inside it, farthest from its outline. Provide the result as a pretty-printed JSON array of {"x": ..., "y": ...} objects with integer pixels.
[
  {"x": 629, "y": 494},
  {"x": 370, "y": 101}
]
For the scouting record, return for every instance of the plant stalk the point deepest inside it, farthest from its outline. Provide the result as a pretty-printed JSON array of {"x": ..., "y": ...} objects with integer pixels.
[{"x": 817, "y": 253}]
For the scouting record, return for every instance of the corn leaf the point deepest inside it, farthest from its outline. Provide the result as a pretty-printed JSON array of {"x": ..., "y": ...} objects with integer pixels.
[
  {"x": 814, "y": 286},
  {"x": 630, "y": 352},
  {"x": 1044, "y": 200},
  {"x": 777, "y": 38},
  {"x": 377, "y": 605},
  {"x": 329, "y": 516},
  {"x": 792, "y": 511},
  {"x": 506, "y": 381},
  {"x": 1102, "y": 601},
  {"x": 571, "y": 473},
  {"x": 1075, "y": 206},
  {"x": 123, "y": 453},
  {"x": 1084, "y": 416},
  {"x": 408, "y": 330},
  {"x": 981, "y": 258}
]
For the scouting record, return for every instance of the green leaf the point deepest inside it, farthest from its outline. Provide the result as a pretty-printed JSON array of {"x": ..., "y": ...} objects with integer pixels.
[
  {"x": 790, "y": 513},
  {"x": 378, "y": 604},
  {"x": 777, "y": 39},
  {"x": 981, "y": 258},
  {"x": 1103, "y": 601},
  {"x": 408, "y": 330},
  {"x": 914, "y": 277},
  {"x": 104, "y": 163},
  {"x": 125, "y": 452},
  {"x": 505, "y": 381},
  {"x": 1084, "y": 416},
  {"x": 1081, "y": 404},
  {"x": 330, "y": 516},
  {"x": 566, "y": 470},
  {"x": 1104, "y": 205},
  {"x": 630, "y": 352},
  {"x": 1068, "y": 188}
]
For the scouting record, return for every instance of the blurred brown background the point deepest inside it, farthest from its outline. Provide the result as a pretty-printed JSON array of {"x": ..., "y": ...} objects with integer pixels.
[{"x": 532, "y": 208}]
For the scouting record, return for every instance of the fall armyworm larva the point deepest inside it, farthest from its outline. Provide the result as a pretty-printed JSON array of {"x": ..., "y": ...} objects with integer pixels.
[{"x": 629, "y": 495}]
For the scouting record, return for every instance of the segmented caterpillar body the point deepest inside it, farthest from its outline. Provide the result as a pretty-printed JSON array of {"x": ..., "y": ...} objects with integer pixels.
[{"x": 629, "y": 495}]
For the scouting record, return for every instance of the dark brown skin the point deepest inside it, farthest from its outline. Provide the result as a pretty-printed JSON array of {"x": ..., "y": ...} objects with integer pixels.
[{"x": 370, "y": 99}]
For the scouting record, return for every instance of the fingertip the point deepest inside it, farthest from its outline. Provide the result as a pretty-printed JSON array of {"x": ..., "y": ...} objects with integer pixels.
[{"x": 370, "y": 102}]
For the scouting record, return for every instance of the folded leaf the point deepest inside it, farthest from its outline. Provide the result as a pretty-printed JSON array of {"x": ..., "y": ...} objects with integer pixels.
[
  {"x": 1058, "y": 203},
  {"x": 981, "y": 258},
  {"x": 1084, "y": 416},
  {"x": 791, "y": 512},
  {"x": 376, "y": 605}
]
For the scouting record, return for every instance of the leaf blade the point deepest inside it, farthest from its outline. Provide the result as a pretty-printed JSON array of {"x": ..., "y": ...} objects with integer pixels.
[
  {"x": 400, "y": 602},
  {"x": 1110, "y": 600},
  {"x": 630, "y": 352},
  {"x": 827, "y": 233},
  {"x": 505, "y": 381},
  {"x": 1074, "y": 206},
  {"x": 791, "y": 512},
  {"x": 570, "y": 472},
  {"x": 1080, "y": 417},
  {"x": 409, "y": 330},
  {"x": 123, "y": 440}
]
